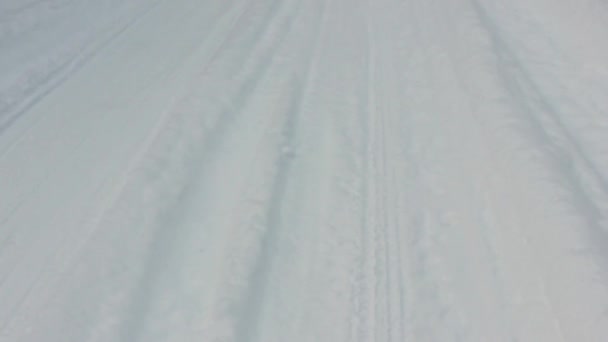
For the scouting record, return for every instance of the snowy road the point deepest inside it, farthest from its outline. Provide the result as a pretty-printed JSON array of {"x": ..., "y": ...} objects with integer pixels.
[{"x": 303, "y": 170}]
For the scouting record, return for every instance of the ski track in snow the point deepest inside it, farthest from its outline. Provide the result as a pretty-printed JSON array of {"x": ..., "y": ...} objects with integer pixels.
[{"x": 290, "y": 170}]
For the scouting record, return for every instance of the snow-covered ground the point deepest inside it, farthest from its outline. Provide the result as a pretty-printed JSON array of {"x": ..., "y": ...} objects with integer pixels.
[{"x": 303, "y": 170}]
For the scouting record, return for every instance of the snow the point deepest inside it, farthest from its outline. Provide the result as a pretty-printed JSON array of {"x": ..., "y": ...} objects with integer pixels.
[{"x": 290, "y": 170}]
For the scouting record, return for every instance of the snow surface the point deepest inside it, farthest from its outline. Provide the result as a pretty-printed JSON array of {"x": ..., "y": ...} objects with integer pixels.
[{"x": 303, "y": 170}]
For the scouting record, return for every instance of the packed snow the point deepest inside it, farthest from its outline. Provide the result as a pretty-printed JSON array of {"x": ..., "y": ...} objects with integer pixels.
[{"x": 303, "y": 170}]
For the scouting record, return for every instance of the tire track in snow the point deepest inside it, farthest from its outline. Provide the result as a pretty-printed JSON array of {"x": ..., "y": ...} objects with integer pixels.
[
  {"x": 371, "y": 238},
  {"x": 464, "y": 70},
  {"x": 226, "y": 121},
  {"x": 364, "y": 319},
  {"x": 431, "y": 312},
  {"x": 248, "y": 321},
  {"x": 381, "y": 220},
  {"x": 253, "y": 298},
  {"x": 388, "y": 166},
  {"x": 384, "y": 197},
  {"x": 389, "y": 193}
]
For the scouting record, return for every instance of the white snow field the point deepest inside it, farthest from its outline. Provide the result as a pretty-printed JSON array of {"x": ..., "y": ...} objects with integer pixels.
[{"x": 303, "y": 170}]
